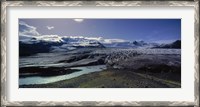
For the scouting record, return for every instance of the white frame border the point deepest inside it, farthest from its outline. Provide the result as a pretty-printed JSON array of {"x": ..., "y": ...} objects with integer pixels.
[{"x": 4, "y": 101}]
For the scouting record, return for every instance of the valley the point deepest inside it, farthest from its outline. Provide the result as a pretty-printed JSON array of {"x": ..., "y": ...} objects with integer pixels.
[
  {"x": 102, "y": 67},
  {"x": 99, "y": 52}
]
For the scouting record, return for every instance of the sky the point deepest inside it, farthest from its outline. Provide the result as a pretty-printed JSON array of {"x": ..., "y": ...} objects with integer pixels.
[{"x": 150, "y": 30}]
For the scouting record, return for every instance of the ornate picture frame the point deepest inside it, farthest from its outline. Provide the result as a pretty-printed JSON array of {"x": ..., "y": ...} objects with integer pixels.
[{"x": 5, "y": 4}]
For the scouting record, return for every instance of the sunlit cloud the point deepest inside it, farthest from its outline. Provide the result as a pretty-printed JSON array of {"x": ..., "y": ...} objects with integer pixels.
[
  {"x": 50, "y": 27},
  {"x": 78, "y": 20}
]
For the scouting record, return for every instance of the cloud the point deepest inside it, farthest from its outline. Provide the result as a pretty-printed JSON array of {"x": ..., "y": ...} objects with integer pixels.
[
  {"x": 165, "y": 41},
  {"x": 78, "y": 20},
  {"x": 50, "y": 27},
  {"x": 27, "y": 30}
]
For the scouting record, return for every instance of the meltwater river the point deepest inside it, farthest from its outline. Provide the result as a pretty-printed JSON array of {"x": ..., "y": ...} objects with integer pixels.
[{"x": 44, "y": 80}]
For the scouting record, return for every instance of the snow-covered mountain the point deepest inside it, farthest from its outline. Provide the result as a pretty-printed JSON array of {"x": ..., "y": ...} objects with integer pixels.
[
  {"x": 55, "y": 43},
  {"x": 80, "y": 41},
  {"x": 72, "y": 41},
  {"x": 174, "y": 45}
]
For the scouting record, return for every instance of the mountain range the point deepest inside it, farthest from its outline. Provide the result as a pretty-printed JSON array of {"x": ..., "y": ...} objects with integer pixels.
[{"x": 29, "y": 45}]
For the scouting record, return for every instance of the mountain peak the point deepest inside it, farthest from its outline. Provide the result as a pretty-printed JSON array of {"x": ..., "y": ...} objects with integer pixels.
[{"x": 72, "y": 42}]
